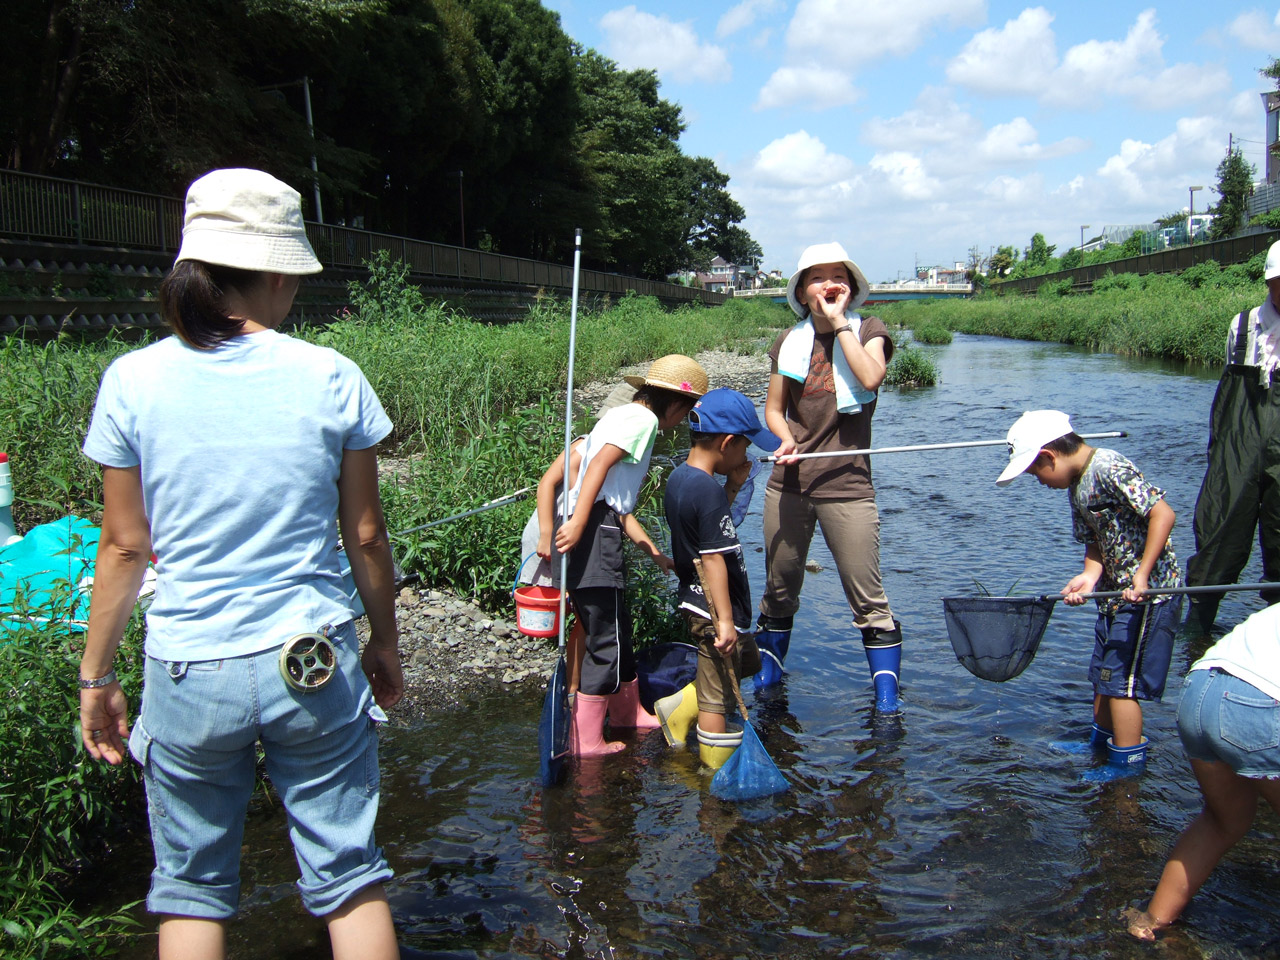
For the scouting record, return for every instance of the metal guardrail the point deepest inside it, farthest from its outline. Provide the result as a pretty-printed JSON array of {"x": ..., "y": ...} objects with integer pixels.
[
  {"x": 1173, "y": 260},
  {"x": 48, "y": 209}
]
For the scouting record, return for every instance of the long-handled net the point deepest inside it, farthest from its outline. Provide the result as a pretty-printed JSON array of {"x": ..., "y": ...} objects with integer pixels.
[
  {"x": 553, "y": 728},
  {"x": 750, "y": 772},
  {"x": 996, "y": 638}
]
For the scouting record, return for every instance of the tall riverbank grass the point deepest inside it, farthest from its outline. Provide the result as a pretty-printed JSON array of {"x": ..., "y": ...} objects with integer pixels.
[{"x": 1161, "y": 316}]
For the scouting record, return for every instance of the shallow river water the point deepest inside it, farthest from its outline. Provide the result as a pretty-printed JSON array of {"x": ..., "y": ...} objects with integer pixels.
[{"x": 952, "y": 832}]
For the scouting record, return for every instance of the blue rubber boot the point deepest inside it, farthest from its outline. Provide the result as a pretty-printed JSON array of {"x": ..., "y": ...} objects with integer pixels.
[
  {"x": 884, "y": 657},
  {"x": 1097, "y": 743},
  {"x": 773, "y": 639},
  {"x": 1121, "y": 762}
]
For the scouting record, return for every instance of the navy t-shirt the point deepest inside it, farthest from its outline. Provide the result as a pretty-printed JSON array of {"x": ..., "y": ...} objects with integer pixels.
[{"x": 698, "y": 515}]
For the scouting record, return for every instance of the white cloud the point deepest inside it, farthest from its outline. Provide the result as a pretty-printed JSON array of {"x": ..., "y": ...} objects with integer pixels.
[
  {"x": 812, "y": 87},
  {"x": 875, "y": 29},
  {"x": 638, "y": 40},
  {"x": 744, "y": 14},
  {"x": 1016, "y": 192},
  {"x": 936, "y": 122},
  {"x": 905, "y": 174},
  {"x": 800, "y": 159},
  {"x": 939, "y": 128},
  {"x": 1021, "y": 58},
  {"x": 1257, "y": 31},
  {"x": 1017, "y": 141},
  {"x": 1149, "y": 171},
  {"x": 1017, "y": 58}
]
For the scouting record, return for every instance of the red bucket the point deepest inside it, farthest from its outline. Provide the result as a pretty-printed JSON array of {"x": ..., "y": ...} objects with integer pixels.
[{"x": 538, "y": 611}]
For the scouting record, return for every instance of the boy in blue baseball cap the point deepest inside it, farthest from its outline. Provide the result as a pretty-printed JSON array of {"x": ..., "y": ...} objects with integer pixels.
[{"x": 722, "y": 424}]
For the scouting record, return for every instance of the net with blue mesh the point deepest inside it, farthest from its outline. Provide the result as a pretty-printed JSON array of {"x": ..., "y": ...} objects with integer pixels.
[
  {"x": 749, "y": 774},
  {"x": 553, "y": 729},
  {"x": 996, "y": 638}
]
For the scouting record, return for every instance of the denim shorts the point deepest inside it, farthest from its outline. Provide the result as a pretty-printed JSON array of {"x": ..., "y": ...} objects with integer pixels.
[
  {"x": 1225, "y": 719},
  {"x": 195, "y": 740},
  {"x": 1133, "y": 649}
]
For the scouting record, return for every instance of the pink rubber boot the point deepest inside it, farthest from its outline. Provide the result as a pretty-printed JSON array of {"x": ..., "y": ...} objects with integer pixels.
[
  {"x": 586, "y": 730},
  {"x": 625, "y": 709}
]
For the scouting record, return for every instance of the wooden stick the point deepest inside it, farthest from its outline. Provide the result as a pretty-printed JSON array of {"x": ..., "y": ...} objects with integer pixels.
[{"x": 711, "y": 609}]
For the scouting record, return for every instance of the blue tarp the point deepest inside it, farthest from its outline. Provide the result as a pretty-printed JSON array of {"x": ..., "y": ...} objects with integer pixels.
[{"x": 41, "y": 574}]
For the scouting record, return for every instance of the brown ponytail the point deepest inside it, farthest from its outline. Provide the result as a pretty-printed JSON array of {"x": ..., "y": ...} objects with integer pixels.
[{"x": 192, "y": 299}]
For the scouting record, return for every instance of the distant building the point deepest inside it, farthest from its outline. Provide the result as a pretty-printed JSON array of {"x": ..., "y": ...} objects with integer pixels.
[{"x": 724, "y": 276}]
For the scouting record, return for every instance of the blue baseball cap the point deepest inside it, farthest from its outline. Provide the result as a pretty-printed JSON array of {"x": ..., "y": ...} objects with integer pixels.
[{"x": 727, "y": 411}]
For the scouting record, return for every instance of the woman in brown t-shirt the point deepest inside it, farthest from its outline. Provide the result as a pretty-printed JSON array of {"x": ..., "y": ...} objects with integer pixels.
[{"x": 825, "y": 372}]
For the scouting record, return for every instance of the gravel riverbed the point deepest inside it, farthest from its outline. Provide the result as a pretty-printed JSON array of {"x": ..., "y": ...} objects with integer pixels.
[{"x": 451, "y": 648}]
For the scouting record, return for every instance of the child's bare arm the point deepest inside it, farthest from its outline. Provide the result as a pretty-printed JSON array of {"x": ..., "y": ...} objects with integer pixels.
[
  {"x": 1159, "y": 525},
  {"x": 716, "y": 576},
  {"x": 547, "y": 496},
  {"x": 568, "y": 536},
  {"x": 636, "y": 532},
  {"x": 1084, "y": 582}
]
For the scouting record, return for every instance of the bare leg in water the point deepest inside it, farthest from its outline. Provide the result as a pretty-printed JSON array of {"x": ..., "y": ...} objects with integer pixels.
[{"x": 1230, "y": 803}]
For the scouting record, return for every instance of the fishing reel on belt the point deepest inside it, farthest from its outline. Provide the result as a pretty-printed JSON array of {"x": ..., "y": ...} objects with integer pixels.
[{"x": 308, "y": 661}]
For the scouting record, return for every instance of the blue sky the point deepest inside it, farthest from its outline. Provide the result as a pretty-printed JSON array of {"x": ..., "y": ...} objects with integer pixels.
[{"x": 914, "y": 130}]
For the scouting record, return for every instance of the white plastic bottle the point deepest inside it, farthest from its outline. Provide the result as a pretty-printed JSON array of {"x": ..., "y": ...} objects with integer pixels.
[{"x": 7, "y": 533}]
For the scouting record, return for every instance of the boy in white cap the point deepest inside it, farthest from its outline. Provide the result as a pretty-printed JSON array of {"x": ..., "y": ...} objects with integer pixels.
[
  {"x": 1241, "y": 489},
  {"x": 1124, "y": 523}
]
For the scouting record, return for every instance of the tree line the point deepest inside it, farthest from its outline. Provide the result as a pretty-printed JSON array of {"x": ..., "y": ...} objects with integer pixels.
[{"x": 448, "y": 120}]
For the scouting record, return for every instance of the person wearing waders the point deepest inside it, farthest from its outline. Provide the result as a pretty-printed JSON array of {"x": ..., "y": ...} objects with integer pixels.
[
  {"x": 822, "y": 394},
  {"x": 1241, "y": 488}
]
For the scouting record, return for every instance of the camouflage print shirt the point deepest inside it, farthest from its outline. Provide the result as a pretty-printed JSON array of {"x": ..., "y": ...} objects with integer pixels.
[{"x": 1110, "y": 506}]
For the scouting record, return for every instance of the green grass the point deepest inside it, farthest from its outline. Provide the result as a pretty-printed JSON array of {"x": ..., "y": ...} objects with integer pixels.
[{"x": 1183, "y": 317}]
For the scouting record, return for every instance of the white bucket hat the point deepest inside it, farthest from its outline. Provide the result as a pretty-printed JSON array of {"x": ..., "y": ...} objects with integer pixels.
[
  {"x": 249, "y": 220},
  {"x": 827, "y": 253},
  {"x": 1273, "y": 262},
  {"x": 1027, "y": 437}
]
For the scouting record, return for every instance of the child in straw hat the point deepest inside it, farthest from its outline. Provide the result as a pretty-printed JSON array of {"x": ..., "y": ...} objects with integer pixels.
[{"x": 602, "y": 496}]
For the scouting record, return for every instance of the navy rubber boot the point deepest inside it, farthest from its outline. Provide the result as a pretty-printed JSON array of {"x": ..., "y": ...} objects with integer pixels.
[
  {"x": 884, "y": 657},
  {"x": 773, "y": 654},
  {"x": 1097, "y": 743},
  {"x": 1121, "y": 762}
]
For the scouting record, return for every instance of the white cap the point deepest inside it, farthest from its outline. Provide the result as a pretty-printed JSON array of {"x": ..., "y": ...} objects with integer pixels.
[
  {"x": 1027, "y": 437},
  {"x": 1273, "y": 262}
]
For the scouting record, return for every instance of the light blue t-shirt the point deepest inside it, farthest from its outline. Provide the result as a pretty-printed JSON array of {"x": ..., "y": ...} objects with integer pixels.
[{"x": 240, "y": 449}]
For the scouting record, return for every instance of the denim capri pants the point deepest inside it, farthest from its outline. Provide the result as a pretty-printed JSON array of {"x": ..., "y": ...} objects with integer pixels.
[
  {"x": 1224, "y": 719},
  {"x": 195, "y": 742}
]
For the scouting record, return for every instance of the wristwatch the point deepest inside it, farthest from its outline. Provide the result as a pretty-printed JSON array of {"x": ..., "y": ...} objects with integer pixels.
[
  {"x": 840, "y": 330},
  {"x": 106, "y": 681}
]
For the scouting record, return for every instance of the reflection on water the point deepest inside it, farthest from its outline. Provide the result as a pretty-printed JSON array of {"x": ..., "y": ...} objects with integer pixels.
[{"x": 951, "y": 832}]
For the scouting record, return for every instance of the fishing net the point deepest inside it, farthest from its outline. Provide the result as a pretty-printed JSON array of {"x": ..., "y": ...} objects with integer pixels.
[
  {"x": 996, "y": 637},
  {"x": 553, "y": 729},
  {"x": 748, "y": 774}
]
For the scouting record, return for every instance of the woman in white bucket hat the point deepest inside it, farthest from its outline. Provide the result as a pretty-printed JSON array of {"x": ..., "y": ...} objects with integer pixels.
[
  {"x": 234, "y": 454},
  {"x": 822, "y": 393}
]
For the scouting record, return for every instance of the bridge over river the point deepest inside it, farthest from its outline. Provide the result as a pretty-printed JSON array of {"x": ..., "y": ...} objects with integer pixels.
[{"x": 881, "y": 292}]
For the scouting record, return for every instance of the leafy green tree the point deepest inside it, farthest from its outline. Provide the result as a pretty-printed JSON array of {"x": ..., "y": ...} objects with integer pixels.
[
  {"x": 628, "y": 135},
  {"x": 1003, "y": 260},
  {"x": 1235, "y": 185},
  {"x": 1071, "y": 259},
  {"x": 1039, "y": 252}
]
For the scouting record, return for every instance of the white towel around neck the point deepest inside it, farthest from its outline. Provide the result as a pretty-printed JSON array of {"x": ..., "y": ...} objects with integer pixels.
[{"x": 797, "y": 352}]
